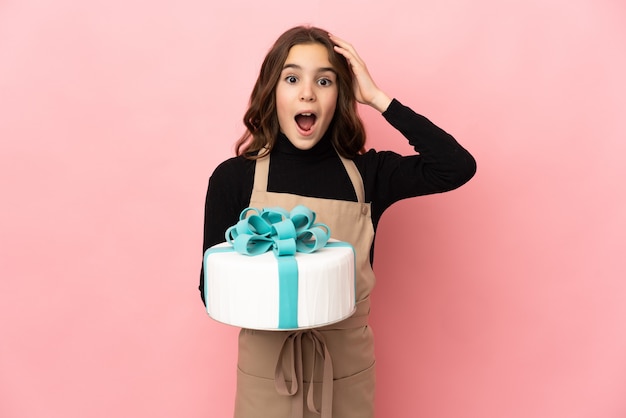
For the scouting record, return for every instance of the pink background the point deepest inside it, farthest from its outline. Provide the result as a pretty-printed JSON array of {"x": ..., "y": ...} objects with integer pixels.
[{"x": 505, "y": 298}]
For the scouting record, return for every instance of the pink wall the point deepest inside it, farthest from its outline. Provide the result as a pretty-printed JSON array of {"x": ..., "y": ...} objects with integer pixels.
[{"x": 506, "y": 298}]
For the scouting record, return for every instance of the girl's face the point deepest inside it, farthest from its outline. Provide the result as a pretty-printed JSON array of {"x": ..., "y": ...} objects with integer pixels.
[{"x": 306, "y": 95}]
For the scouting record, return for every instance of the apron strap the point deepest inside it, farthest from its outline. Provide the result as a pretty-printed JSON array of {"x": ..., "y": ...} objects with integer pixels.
[
  {"x": 261, "y": 172},
  {"x": 262, "y": 169},
  {"x": 355, "y": 178},
  {"x": 291, "y": 351},
  {"x": 292, "y": 347}
]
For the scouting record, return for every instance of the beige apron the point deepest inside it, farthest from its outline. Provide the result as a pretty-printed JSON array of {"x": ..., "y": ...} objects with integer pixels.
[{"x": 276, "y": 368}]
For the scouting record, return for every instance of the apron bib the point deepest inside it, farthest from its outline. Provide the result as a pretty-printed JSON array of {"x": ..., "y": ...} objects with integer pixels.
[{"x": 326, "y": 371}]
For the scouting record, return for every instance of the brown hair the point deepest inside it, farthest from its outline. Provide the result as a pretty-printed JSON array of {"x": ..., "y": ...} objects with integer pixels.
[{"x": 346, "y": 129}]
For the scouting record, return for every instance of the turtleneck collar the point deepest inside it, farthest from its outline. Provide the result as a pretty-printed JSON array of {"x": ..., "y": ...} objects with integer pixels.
[{"x": 284, "y": 146}]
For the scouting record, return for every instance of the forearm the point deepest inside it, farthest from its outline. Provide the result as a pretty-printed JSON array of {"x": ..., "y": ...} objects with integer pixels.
[{"x": 441, "y": 156}]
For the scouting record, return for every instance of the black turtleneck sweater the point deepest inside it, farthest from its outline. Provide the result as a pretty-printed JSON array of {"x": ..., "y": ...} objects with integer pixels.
[{"x": 441, "y": 165}]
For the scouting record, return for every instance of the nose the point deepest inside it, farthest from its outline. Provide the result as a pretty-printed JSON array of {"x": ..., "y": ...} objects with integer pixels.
[{"x": 307, "y": 94}]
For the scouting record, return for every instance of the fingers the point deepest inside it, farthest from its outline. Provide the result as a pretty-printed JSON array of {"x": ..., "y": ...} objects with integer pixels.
[
  {"x": 347, "y": 50},
  {"x": 365, "y": 89}
]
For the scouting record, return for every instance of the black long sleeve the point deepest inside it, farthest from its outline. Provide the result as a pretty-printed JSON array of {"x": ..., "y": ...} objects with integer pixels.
[{"x": 441, "y": 165}]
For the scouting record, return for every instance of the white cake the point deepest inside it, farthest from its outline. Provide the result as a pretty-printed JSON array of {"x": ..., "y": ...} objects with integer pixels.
[{"x": 243, "y": 290}]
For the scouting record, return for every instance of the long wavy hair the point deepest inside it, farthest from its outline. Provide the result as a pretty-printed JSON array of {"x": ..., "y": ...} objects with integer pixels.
[{"x": 261, "y": 120}]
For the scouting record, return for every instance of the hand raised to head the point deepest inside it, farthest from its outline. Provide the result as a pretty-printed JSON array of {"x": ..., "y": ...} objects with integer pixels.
[{"x": 365, "y": 89}]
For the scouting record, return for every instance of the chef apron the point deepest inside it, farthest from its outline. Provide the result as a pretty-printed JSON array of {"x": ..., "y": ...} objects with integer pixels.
[{"x": 326, "y": 371}]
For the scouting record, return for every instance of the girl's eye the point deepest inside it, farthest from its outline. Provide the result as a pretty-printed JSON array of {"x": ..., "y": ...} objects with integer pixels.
[
  {"x": 291, "y": 79},
  {"x": 324, "y": 82}
]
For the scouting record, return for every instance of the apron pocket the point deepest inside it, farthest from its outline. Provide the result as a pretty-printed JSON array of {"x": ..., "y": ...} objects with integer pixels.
[
  {"x": 257, "y": 398},
  {"x": 353, "y": 396}
]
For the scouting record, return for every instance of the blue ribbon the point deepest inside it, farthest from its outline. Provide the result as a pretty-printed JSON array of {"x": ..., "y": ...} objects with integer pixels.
[{"x": 285, "y": 233}]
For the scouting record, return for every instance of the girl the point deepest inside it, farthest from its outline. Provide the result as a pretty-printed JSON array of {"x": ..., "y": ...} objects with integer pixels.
[{"x": 304, "y": 144}]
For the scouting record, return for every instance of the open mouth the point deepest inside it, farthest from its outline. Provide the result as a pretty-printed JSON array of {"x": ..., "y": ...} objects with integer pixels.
[{"x": 305, "y": 121}]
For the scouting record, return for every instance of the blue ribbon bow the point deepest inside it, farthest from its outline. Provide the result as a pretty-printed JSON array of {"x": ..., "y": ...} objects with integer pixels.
[{"x": 285, "y": 233}]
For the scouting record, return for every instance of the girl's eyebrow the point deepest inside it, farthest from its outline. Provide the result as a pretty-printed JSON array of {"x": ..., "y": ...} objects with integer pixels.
[{"x": 319, "y": 70}]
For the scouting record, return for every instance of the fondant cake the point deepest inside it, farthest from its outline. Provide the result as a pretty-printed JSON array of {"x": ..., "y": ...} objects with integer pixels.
[{"x": 261, "y": 279}]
